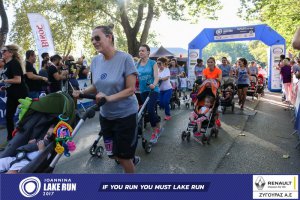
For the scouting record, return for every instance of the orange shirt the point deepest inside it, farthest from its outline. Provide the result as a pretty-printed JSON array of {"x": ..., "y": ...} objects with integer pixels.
[{"x": 212, "y": 74}]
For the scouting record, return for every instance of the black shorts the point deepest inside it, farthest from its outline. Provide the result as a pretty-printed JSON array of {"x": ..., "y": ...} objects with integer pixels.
[
  {"x": 241, "y": 86},
  {"x": 120, "y": 136}
]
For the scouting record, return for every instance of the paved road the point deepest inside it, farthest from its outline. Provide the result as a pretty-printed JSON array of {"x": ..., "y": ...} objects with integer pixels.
[{"x": 250, "y": 141}]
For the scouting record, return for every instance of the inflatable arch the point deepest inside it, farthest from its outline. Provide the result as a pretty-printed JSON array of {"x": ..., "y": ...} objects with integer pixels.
[{"x": 262, "y": 32}]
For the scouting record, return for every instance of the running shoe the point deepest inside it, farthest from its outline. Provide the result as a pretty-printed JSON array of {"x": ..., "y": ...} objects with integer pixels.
[
  {"x": 136, "y": 160},
  {"x": 167, "y": 118}
]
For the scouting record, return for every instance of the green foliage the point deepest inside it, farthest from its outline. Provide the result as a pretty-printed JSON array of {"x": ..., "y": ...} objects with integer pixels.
[
  {"x": 259, "y": 51},
  {"x": 71, "y": 21},
  {"x": 281, "y": 15},
  {"x": 231, "y": 50}
]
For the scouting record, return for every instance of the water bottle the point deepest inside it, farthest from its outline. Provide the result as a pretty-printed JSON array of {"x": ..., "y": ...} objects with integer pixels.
[{"x": 43, "y": 94}]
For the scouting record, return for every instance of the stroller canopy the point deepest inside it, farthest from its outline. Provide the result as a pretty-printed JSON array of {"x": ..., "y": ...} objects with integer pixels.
[{"x": 59, "y": 104}]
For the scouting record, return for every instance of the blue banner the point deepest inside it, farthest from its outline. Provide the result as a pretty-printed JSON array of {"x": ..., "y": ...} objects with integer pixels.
[
  {"x": 234, "y": 33},
  {"x": 146, "y": 186}
]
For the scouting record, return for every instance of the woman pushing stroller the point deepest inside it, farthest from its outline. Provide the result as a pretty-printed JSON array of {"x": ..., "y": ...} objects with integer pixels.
[{"x": 114, "y": 77}]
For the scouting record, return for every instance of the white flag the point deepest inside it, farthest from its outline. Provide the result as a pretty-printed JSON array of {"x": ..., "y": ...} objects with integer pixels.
[{"x": 42, "y": 34}]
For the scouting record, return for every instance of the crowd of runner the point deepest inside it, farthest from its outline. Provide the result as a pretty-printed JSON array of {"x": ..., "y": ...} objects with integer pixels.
[{"x": 114, "y": 74}]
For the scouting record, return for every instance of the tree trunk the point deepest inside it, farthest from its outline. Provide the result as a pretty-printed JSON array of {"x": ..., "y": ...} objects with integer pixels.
[
  {"x": 4, "y": 26},
  {"x": 131, "y": 32}
]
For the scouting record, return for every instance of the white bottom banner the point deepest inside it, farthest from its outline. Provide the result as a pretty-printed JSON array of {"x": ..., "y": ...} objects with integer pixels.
[{"x": 275, "y": 186}]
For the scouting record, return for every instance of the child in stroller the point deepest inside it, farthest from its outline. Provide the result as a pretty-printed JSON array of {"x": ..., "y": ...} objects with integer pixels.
[
  {"x": 260, "y": 84},
  {"x": 26, "y": 153},
  {"x": 252, "y": 89},
  {"x": 227, "y": 97},
  {"x": 35, "y": 123},
  {"x": 201, "y": 114},
  {"x": 205, "y": 112}
]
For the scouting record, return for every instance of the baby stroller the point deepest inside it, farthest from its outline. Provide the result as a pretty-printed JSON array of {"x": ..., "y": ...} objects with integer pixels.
[
  {"x": 260, "y": 85},
  {"x": 209, "y": 128},
  {"x": 175, "y": 96},
  {"x": 194, "y": 92},
  {"x": 252, "y": 89},
  {"x": 36, "y": 121},
  {"x": 228, "y": 96}
]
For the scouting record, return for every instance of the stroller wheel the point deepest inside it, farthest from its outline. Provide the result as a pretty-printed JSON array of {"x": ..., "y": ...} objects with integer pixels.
[
  {"x": 223, "y": 109},
  {"x": 117, "y": 161},
  {"x": 188, "y": 137},
  {"x": 203, "y": 138},
  {"x": 178, "y": 103},
  {"x": 208, "y": 139},
  {"x": 183, "y": 135},
  {"x": 93, "y": 150},
  {"x": 172, "y": 106},
  {"x": 144, "y": 142},
  {"x": 99, "y": 151},
  {"x": 187, "y": 105},
  {"x": 232, "y": 106},
  {"x": 216, "y": 132},
  {"x": 148, "y": 147}
]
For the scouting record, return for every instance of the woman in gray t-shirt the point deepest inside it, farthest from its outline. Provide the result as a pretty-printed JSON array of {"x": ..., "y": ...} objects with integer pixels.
[{"x": 114, "y": 77}]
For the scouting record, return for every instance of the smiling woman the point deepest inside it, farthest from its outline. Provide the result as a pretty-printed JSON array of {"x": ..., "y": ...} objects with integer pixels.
[{"x": 114, "y": 77}]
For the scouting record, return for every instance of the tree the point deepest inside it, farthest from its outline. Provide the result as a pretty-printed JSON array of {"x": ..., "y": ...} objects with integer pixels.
[
  {"x": 231, "y": 50},
  {"x": 279, "y": 14},
  {"x": 259, "y": 51},
  {"x": 74, "y": 18},
  {"x": 4, "y": 25}
]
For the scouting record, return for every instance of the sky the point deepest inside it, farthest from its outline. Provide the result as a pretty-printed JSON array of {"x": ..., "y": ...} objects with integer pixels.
[{"x": 180, "y": 33}]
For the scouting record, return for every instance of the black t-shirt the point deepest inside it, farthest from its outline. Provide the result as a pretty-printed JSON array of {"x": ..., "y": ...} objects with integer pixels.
[
  {"x": 33, "y": 85},
  {"x": 80, "y": 74},
  {"x": 12, "y": 69},
  {"x": 55, "y": 85}
]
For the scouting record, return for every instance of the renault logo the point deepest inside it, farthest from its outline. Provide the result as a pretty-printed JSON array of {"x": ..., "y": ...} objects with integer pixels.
[{"x": 260, "y": 183}]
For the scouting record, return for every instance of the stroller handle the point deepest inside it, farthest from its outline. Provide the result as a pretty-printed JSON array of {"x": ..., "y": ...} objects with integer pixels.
[{"x": 92, "y": 96}]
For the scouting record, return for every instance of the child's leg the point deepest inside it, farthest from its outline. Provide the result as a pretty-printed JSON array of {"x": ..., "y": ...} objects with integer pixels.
[
  {"x": 199, "y": 125},
  {"x": 193, "y": 116}
]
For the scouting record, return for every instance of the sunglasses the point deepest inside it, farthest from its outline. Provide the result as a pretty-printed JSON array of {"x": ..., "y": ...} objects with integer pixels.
[
  {"x": 159, "y": 63},
  {"x": 97, "y": 38},
  {"x": 4, "y": 50}
]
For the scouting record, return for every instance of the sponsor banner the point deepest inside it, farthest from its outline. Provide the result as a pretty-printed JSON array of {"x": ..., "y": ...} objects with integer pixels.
[
  {"x": 42, "y": 34},
  {"x": 234, "y": 33},
  {"x": 193, "y": 56},
  {"x": 145, "y": 186},
  {"x": 275, "y": 187},
  {"x": 275, "y": 51}
]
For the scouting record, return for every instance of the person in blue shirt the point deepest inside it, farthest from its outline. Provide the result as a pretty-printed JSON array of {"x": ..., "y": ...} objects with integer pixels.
[
  {"x": 148, "y": 74},
  {"x": 199, "y": 67},
  {"x": 227, "y": 72}
]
